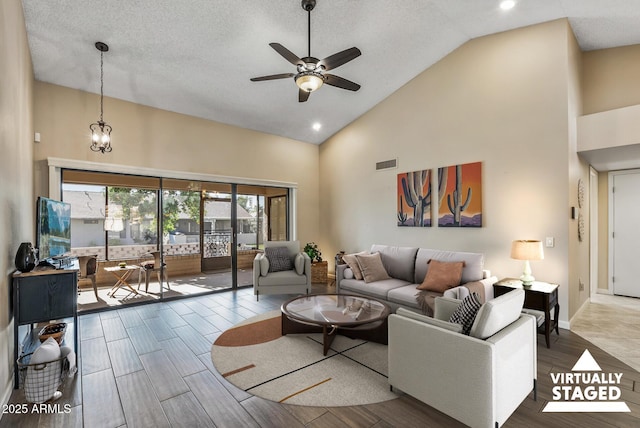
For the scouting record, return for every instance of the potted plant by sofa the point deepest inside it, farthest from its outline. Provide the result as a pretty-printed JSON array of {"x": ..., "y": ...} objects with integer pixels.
[{"x": 318, "y": 267}]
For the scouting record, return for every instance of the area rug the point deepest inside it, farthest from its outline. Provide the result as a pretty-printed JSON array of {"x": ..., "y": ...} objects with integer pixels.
[{"x": 255, "y": 357}]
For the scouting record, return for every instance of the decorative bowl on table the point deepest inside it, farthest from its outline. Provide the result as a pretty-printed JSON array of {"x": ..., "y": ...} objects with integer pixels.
[
  {"x": 122, "y": 265},
  {"x": 55, "y": 330}
]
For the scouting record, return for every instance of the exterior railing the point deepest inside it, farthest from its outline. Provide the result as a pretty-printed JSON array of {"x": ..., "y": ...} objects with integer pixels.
[{"x": 217, "y": 243}]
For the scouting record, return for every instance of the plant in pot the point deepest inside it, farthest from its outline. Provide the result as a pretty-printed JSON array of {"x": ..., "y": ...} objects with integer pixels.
[
  {"x": 313, "y": 252},
  {"x": 318, "y": 267}
]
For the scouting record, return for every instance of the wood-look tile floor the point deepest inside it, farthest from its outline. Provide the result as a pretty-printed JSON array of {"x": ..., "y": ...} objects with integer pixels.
[{"x": 150, "y": 366}]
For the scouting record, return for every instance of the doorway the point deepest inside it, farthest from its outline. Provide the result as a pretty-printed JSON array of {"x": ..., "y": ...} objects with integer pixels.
[{"x": 625, "y": 234}]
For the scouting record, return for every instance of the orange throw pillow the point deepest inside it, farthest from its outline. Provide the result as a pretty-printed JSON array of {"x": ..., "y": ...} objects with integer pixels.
[{"x": 442, "y": 275}]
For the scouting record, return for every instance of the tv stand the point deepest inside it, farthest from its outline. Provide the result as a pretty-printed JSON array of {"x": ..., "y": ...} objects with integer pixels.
[{"x": 43, "y": 296}]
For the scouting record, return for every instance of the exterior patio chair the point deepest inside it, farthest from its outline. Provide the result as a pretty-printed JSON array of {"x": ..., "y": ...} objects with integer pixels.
[
  {"x": 150, "y": 266},
  {"x": 88, "y": 266}
]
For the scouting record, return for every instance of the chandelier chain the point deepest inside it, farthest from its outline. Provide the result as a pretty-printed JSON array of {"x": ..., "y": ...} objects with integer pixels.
[{"x": 101, "y": 84}]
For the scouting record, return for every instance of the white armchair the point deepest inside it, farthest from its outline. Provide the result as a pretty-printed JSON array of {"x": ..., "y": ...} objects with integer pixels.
[
  {"x": 294, "y": 281},
  {"x": 479, "y": 379}
]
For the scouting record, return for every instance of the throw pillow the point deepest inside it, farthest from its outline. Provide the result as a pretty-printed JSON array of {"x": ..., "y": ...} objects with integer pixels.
[
  {"x": 442, "y": 276},
  {"x": 371, "y": 267},
  {"x": 352, "y": 261},
  {"x": 348, "y": 273},
  {"x": 264, "y": 265},
  {"x": 298, "y": 263},
  {"x": 279, "y": 259},
  {"x": 466, "y": 313}
]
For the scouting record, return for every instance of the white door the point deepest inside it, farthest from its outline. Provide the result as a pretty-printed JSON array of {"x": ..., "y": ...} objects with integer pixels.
[{"x": 626, "y": 234}]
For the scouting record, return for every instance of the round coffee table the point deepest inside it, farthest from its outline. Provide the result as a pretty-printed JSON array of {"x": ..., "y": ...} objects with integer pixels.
[{"x": 353, "y": 316}]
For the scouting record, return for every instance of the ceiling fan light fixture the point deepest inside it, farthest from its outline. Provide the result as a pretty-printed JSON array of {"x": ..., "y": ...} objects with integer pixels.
[{"x": 309, "y": 81}]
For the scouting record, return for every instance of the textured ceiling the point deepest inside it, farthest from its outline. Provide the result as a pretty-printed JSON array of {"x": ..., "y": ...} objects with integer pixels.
[{"x": 196, "y": 56}]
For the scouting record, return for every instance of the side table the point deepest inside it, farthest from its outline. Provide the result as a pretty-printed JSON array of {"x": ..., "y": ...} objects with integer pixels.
[{"x": 539, "y": 296}]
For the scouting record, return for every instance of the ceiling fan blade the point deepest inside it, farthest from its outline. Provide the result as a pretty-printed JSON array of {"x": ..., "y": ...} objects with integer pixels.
[
  {"x": 272, "y": 77},
  {"x": 336, "y": 60},
  {"x": 303, "y": 95},
  {"x": 340, "y": 82},
  {"x": 286, "y": 54}
]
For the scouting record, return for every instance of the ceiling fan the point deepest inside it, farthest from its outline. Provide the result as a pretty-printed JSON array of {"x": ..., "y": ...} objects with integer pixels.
[{"x": 311, "y": 71}]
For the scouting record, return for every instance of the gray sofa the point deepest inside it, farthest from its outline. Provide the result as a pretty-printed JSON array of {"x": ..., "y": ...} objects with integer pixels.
[{"x": 407, "y": 267}]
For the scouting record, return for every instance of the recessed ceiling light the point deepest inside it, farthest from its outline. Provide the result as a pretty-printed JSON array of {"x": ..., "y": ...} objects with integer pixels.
[
  {"x": 316, "y": 126},
  {"x": 507, "y": 4}
]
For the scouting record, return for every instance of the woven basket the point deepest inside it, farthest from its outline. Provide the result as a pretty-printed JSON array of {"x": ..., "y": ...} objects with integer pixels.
[
  {"x": 319, "y": 272},
  {"x": 56, "y": 331}
]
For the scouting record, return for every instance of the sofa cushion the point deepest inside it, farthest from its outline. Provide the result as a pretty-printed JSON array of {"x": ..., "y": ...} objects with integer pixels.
[
  {"x": 347, "y": 273},
  {"x": 285, "y": 277},
  {"x": 399, "y": 262},
  {"x": 442, "y": 275},
  {"x": 498, "y": 313},
  {"x": 372, "y": 268},
  {"x": 404, "y": 296},
  {"x": 473, "y": 263},
  {"x": 455, "y": 327},
  {"x": 466, "y": 312},
  {"x": 351, "y": 260},
  {"x": 378, "y": 289}
]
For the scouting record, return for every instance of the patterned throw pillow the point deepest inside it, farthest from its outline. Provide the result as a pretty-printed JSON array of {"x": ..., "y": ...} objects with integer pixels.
[
  {"x": 466, "y": 313},
  {"x": 279, "y": 259}
]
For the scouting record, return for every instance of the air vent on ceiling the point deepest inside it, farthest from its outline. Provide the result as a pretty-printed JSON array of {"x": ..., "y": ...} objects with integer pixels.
[{"x": 388, "y": 164}]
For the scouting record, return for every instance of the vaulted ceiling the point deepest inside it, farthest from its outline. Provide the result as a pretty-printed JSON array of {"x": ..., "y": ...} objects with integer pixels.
[{"x": 196, "y": 57}]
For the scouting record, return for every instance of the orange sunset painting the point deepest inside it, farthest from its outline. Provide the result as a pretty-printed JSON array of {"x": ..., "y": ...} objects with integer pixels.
[{"x": 460, "y": 195}]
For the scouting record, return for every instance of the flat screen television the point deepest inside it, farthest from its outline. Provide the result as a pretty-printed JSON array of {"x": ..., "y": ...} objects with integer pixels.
[{"x": 53, "y": 228}]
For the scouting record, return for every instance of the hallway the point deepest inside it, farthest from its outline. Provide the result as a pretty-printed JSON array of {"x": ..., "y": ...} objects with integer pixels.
[{"x": 612, "y": 323}]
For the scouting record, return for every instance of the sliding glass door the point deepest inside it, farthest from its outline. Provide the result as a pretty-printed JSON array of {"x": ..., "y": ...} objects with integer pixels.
[{"x": 182, "y": 237}]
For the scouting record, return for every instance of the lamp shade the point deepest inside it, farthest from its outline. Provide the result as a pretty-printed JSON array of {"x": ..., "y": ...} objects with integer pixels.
[
  {"x": 527, "y": 250},
  {"x": 309, "y": 81}
]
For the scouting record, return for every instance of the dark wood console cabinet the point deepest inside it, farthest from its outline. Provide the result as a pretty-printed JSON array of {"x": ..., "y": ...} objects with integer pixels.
[{"x": 42, "y": 296}]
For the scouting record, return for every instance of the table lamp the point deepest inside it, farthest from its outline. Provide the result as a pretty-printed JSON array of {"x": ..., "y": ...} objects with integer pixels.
[{"x": 527, "y": 250}]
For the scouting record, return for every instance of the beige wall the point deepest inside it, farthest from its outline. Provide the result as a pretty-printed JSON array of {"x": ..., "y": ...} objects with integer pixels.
[
  {"x": 611, "y": 78},
  {"x": 579, "y": 272},
  {"x": 609, "y": 87},
  {"x": 504, "y": 100},
  {"x": 16, "y": 170},
  {"x": 152, "y": 138}
]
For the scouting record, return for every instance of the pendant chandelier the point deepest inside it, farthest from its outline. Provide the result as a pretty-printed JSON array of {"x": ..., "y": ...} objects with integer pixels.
[{"x": 100, "y": 130}]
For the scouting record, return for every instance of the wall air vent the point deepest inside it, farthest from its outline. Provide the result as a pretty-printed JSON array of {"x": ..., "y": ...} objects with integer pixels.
[{"x": 388, "y": 164}]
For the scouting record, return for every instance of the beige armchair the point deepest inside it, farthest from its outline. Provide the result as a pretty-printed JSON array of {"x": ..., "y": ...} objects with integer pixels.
[
  {"x": 292, "y": 281},
  {"x": 479, "y": 379}
]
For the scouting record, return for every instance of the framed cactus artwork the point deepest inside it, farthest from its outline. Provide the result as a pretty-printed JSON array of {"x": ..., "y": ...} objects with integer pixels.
[
  {"x": 414, "y": 199},
  {"x": 460, "y": 195}
]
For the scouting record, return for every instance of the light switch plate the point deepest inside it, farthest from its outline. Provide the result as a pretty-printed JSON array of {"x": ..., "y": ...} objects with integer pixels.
[{"x": 549, "y": 242}]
